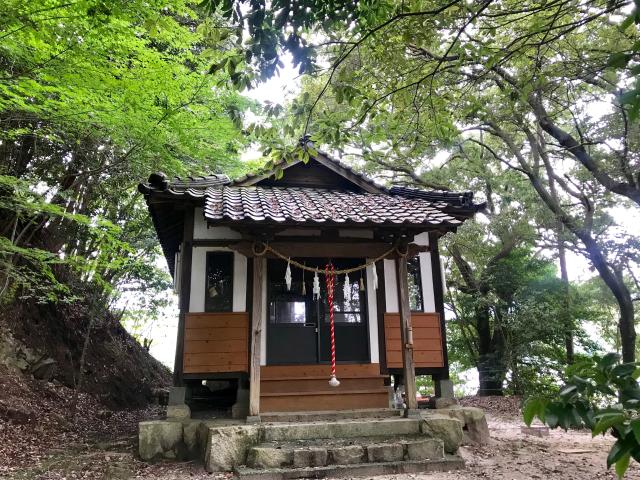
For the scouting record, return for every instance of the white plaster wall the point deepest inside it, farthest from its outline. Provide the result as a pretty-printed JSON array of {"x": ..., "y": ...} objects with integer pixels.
[
  {"x": 372, "y": 309},
  {"x": 202, "y": 232},
  {"x": 426, "y": 274},
  {"x": 198, "y": 279},
  {"x": 426, "y": 277},
  {"x": 390, "y": 287}
]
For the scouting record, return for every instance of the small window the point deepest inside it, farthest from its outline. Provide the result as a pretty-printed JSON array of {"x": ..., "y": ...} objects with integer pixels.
[
  {"x": 288, "y": 311},
  {"x": 219, "y": 291},
  {"x": 345, "y": 311},
  {"x": 415, "y": 284}
]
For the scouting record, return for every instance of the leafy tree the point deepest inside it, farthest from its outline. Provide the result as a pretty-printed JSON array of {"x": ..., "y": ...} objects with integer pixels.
[
  {"x": 93, "y": 97},
  {"x": 520, "y": 80},
  {"x": 603, "y": 395}
]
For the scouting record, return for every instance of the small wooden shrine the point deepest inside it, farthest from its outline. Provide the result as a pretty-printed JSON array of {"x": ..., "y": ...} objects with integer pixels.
[{"x": 308, "y": 291}]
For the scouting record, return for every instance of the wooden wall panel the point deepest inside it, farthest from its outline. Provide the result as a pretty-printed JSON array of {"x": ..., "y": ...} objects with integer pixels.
[
  {"x": 427, "y": 340},
  {"x": 216, "y": 342}
]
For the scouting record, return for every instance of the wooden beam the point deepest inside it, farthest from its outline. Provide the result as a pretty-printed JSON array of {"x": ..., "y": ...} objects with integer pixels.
[
  {"x": 314, "y": 248},
  {"x": 406, "y": 334},
  {"x": 257, "y": 309}
]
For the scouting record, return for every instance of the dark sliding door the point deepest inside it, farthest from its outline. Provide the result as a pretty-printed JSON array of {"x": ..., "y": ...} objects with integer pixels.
[
  {"x": 291, "y": 322},
  {"x": 298, "y": 328}
]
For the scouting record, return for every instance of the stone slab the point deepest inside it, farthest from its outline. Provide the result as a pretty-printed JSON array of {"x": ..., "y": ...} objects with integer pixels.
[
  {"x": 160, "y": 439},
  {"x": 444, "y": 427},
  {"x": 347, "y": 455},
  {"x": 269, "y": 457},
  {"x": 427, "y": 449},
  {"x": 341, "y": 429},
  {"x": 475, "y": 427},
  {"x": 227, "y": 447},
  {"x": 355, "y": 470},
  {"x": 310, "y": 457},
  {"x": 385, "y": 452}
]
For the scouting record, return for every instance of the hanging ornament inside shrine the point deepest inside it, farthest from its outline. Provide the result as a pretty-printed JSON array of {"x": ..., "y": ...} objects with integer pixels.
[
  {"x": 316, "y": 287},
  {"x": 361, "y": 283},
  {"x": 287, "y": 276},
  {"x": 346, "y": 290},
  {"x": 375, "y": 276},
  {"x": 304, "y": 285}
]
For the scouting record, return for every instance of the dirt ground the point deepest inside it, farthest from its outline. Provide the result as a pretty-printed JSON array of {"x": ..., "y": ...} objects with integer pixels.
[{"x": 109, "y": 453}]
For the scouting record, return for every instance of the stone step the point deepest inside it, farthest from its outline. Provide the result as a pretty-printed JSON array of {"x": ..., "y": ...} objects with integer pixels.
[
  {"x": 450, "y": 462},
  {"x": 323, "y": 416},
  {"x": 344, "y": 451},
  {"x": 341, "y": 429}
]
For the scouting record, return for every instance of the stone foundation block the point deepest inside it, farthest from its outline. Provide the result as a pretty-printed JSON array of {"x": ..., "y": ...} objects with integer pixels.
[
  {"x": 227, "y": 447},
  {"x": 347, "y": 455},
  {"x": 178, "y": 411},
  {"x": 269, "y": 457},
  {"x": 447, "y": 429},
  {"x": 310, "y": 457},
  {"x": 475, "y": 429},
  {"x": 160, "y": 439},
  {"x": 428, "y": 449},
  {"x": 385, "y": 452}
]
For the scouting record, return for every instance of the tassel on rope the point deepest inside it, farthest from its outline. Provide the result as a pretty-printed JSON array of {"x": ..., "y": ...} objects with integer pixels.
[
  {"x": 330, "y": 278},
  {"x": 361, "y": 282}
]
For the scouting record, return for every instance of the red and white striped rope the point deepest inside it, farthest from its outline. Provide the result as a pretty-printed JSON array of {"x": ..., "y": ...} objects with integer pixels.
[{"x": 330, "y": 278}]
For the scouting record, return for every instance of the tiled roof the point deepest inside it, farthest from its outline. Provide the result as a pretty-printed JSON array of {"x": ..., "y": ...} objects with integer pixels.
[
  {"x": 323, "y": 157},
  {"x": 321, "y": 206},
  {"x": 191, "y": 186}
]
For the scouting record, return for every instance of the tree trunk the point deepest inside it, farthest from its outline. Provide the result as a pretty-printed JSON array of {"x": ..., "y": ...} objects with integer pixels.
[
  {"x": 566, "y": 304},
  {"x": 491, "y": 361}
]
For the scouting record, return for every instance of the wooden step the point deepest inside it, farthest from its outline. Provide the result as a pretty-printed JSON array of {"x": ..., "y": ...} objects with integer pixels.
[
  {"x": 324, "y": 400},
  {"x": 318, "y": 384},
  {"x": 324, "y": 370}
]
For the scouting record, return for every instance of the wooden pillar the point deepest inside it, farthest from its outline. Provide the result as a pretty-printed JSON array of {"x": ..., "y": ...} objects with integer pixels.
[
  {"x": 257, "y": 311},
  {"x": 186, "y": 252},
  {"x": 406, "y": 334}
]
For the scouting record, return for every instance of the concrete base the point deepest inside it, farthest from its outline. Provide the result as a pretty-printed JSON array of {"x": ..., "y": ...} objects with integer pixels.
[
  {"x": 225, "y": 445},
  {"x": 240, "y": 409},
  {"x": 178, "y": 412},
  {"x": 177, "y": 396}
]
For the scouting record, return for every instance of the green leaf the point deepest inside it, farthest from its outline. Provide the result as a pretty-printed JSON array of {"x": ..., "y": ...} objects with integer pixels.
[
  {"x": 619, "y": 60},
  {"x": 619, "y": 450},
  {"x": 635, "y": 428},
  {"x": 534, "y": 407},
  {"x": 606, "y": 421},
  {"x": 622, "y": 465},
  {"x": 609, "y": 360}
]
